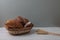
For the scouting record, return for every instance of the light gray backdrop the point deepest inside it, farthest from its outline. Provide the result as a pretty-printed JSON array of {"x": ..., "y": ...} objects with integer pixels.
[{"x": 40, "y": 12}]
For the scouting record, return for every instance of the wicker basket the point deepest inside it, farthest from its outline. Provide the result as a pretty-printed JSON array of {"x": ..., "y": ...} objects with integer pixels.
[
  {"x": 19, "y": 25},
  {"x": 20, "y": 31}
]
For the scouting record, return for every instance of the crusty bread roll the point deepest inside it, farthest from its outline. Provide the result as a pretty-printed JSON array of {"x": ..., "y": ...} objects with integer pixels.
[
  {"x": 19, "y": 19},
  {"x": 25, "y": 20},
  {"x": 19, "y": 25}
]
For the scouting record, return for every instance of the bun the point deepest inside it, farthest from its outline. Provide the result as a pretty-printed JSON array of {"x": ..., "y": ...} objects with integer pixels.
[
  {"x": 19, "y": 25},
  {"x": 19, "y": 19},
  {"x": 25, "y": 20}
]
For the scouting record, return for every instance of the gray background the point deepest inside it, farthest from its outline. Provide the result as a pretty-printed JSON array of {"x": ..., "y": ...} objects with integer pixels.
[{"x": 39, "y": 12}]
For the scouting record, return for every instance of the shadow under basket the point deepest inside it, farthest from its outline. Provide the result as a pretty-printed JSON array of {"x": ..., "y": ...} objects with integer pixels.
[{"x": 20, "y": 31}]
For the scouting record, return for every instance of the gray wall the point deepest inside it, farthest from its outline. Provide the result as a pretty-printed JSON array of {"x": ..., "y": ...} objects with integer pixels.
[{"x": 40, "y": 12}]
